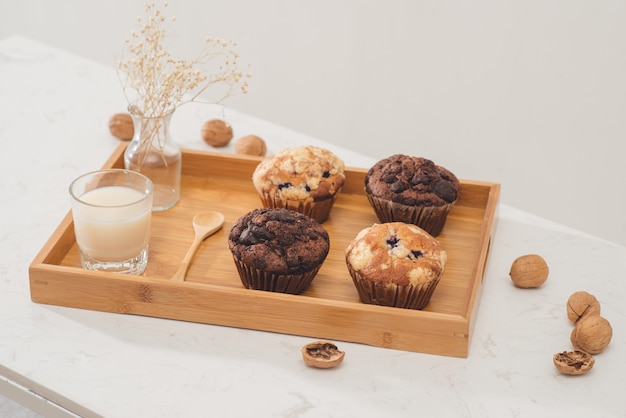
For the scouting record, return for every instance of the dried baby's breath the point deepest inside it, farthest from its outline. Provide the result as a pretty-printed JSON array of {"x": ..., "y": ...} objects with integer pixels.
[{"x": 157, "y": 82}]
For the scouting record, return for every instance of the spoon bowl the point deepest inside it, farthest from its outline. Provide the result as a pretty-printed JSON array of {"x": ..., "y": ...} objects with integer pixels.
[{"x": 205, "y": 224}]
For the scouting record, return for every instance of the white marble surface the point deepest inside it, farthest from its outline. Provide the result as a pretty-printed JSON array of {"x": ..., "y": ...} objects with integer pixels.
[{"x": 54, "y": 111}]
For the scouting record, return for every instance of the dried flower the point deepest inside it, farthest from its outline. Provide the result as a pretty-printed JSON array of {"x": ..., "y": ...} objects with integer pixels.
[{"x": 161, "y": 82}]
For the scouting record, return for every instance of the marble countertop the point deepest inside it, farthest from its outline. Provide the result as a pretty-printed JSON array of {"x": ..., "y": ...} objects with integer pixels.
[{"x": 54, "y": 126}]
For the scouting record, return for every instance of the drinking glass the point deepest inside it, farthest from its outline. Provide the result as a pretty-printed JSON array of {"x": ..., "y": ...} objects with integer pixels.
[{"x": 112, "y": 211}]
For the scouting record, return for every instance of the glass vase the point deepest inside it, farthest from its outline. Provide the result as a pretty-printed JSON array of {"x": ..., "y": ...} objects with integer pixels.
[{"x": 153, "y": 153}]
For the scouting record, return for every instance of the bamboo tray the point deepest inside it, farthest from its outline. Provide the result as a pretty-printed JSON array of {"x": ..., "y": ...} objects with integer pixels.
[{"x": 329, "y": 309}]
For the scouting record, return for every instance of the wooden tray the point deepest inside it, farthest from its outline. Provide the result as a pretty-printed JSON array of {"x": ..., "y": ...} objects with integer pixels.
[{"x": 329, "y": 309}]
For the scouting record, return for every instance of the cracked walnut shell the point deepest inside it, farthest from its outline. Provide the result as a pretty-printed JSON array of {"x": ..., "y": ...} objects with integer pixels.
[
  {"x": 529, "y": 271},
  {"x": 573, "y": 362},
  {"x": 322, "y": 354},
  {"x": 217, "y": 133},
  {"x": 580, "y": 305},
  {"x": 592, "y": 334}
]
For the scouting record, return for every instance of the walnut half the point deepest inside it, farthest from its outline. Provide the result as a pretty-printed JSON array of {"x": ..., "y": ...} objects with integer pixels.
[
  {"x": 573, "y": 362},
  {"x": 322, "y": 354}
]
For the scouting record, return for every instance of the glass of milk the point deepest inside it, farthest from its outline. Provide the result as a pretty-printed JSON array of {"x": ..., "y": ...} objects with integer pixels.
[{"x": 111, "y": 210}]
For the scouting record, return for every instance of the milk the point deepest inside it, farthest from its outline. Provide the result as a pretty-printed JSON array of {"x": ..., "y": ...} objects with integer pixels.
[{"x": 113, "y": 223}]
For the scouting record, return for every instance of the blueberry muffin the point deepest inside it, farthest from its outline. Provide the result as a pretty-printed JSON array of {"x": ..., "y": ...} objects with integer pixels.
[
  {"x": 414, "y": 190},
  {"x": 395, "y": 264},
  {"x": 306, "y": 179},
  {"x": 278, "y": 250}
]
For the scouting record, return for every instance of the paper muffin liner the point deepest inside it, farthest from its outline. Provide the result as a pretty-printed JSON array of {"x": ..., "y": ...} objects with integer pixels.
[
  {"x": 408, "y": 297},
  {"x": 253, "y": 278},
  {"x": 430, "y": 218},
  {"x": 318, "y": 210}
]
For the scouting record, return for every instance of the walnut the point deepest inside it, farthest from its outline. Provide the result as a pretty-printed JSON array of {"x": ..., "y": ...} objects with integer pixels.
[
  {"x": 592, "y": 334},
  {"x": 573, "y": 362},
  {"x": 121, "y": 126},
  {"x": 217, "y": 133},
  {"x": 581, "y": 304},
  {"x": 251, "y": 145},
  {"x": 322, "y": 354},
  {"x": 529, "y": 271}
]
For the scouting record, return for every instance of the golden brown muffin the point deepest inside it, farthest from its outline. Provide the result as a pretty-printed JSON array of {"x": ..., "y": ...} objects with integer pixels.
[
  {"x": 306, "y": 179},
  {"x": 395, "y": 264}
]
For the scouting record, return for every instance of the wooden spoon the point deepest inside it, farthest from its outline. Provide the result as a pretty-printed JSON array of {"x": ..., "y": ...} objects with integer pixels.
[{"x": 205, "y": 224}]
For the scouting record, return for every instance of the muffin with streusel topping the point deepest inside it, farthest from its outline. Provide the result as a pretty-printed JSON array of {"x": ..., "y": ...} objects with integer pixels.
[
  {"x": 278, "y": 250},
  {"x": 305, "y": 178},
  {"x": 410, "y": 189},
  {"x": 395, "y": 264}
]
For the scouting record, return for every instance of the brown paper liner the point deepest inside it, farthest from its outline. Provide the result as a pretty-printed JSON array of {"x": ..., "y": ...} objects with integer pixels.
[
  {"x": 430, "y": 218},
  {"x": 253, "y": 278},
  {"x": 408, "y": 297},
  {"x": 318, "y": 210}
]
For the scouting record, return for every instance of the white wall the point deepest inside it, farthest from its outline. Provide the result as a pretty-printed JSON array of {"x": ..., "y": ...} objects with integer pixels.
[{"x": 530, "y": 93}]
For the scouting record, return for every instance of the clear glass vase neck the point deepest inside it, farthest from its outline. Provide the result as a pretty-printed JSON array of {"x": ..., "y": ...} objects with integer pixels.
[{"x": 153, "y": 153}]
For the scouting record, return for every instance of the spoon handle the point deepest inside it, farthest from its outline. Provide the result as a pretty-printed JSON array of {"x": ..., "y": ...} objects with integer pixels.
[{"x": 184, "y": 266}]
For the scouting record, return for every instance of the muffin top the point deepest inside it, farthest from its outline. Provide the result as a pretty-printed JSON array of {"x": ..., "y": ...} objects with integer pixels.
[
  {"x": 396, "y": 253},
  {"x": 412, "y": 181},
  {"x": 279, "y": 241},
  {"x": 300, "y": 173}
]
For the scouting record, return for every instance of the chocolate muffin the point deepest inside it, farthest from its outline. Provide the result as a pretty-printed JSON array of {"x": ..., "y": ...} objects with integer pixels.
[
  {"x": 395, "y": 264},
  {"x": 412, "y": 189},
  {"x": 305, "y": 178},
  {"x": 278, "y": 250}
]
